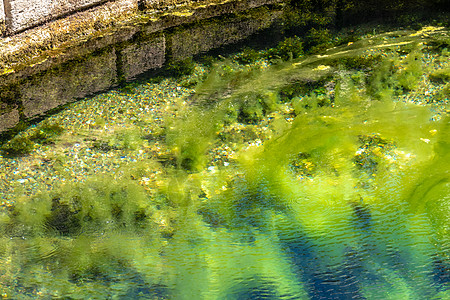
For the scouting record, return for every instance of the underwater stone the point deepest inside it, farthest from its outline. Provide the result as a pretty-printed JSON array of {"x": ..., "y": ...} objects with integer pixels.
[
  {"x": 141, "y": 57},
  {"x": 66, "y": 83},
  {"x": 195, "y": 39},
  {"x": 9, "y": 119}
]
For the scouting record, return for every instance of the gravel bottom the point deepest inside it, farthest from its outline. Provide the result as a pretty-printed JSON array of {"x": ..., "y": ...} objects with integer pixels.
[{"x": 90, "y": 143}]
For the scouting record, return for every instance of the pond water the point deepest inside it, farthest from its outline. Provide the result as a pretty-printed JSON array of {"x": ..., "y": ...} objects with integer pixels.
[{"x": 259, "y": 176}]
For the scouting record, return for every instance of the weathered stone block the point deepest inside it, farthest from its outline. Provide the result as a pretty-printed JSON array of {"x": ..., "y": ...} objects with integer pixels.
[
  {"x": 143, "y": 56},
  {"x": 68, "y": 82},
  {"x": 9, "y": 117},
  {"x": 22, "y": 14},
  {"x": 57, "y": 42},
  {"x": 195, "y": 39}
]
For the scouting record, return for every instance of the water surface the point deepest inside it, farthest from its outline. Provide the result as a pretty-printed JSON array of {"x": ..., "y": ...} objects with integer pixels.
[{"x": 320, "y": 177}]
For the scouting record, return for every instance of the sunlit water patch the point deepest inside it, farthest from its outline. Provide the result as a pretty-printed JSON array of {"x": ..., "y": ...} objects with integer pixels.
[{"x": 319, "y": 177}]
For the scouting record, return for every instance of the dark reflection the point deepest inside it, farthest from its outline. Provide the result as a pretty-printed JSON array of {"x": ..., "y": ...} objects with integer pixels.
[
  {"x": 253, "y": 288},
  {"x": 141, "y": 290},
  {"x": 211, "y": 218},
  {"x": 334, "y": 285},
  {"x": 441, "y": 268},
  {"x": 323, "y": 282},
  {"x": 362, "y": 217}
]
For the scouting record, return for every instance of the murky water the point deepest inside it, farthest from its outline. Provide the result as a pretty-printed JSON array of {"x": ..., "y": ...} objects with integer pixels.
[{"x": 303, "y": 179}]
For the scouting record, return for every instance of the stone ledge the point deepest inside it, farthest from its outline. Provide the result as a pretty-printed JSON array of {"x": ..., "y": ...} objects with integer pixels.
[{"x": 201, "y": 37}]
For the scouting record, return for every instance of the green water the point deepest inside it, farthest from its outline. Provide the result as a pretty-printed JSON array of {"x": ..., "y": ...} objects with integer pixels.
[{"x": 335, "y": 185}]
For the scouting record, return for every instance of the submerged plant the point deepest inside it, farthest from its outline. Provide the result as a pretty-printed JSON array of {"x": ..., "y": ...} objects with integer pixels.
[
  {"x": 18, "y": 146},
  {"x": 288, "y": 49},
  {"x": 21, "y": 145},
  {"x": 181, "y": 67},
  {"x": 318, "y": 39},
  {"x": 441, "y": 75},
  {"x": 412, "y": 71},
  {"x": 46, "y": 132}
]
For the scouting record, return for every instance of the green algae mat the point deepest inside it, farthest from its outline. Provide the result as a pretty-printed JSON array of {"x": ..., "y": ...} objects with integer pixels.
[{"x": 271, "y": 174}]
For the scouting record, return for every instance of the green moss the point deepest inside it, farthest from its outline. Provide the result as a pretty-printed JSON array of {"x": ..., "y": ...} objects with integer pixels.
[
  {"x": 254, "y": 107},
  {"x": 129, "y": 139},
  {"x": 444, "y": 94},
  {"x": 99, "y": 204},
  {"x": 46, "y": 132},
  {"x": 358, "y": 62},
  {"x": 412, "y": 70},
  {"x": 18, "y": 146},
  {"x": 191, "y": 135},
  {"x": 288, "y": 49},
  {"x": 440, "y": 43},
  {"x": 318, "y": 39},
  {"x": 441, "y": 75},
  {"x": 181, "y": 67},
  {"x": 383, "y": 80}
]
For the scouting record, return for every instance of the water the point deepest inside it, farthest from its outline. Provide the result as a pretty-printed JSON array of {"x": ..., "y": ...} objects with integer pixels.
[{"x": 303, "y": 179}]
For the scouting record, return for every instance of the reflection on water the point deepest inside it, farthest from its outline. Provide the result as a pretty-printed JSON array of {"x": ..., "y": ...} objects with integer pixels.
[{"x": 345, "y": 197}]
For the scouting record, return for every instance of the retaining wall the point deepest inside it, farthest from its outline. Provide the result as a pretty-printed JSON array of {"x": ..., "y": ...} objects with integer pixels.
[{"x": 95, "y": 49}]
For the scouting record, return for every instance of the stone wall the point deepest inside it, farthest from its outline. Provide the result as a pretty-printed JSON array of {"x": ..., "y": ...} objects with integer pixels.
[{"x": 91, "y": 51}]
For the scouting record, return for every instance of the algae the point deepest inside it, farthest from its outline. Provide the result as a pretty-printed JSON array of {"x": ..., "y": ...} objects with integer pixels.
[
  {"x": 441, "y": 76},
  {"x": 22, "y": 145}
]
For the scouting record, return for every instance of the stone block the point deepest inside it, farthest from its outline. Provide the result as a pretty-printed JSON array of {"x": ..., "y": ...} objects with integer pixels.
[
  {"x": 57, "y": 42},
  {"x": 201, "y": 37},
  {"x": 68, "y": 82},
  {"x": 23, "y": 14},
  {"x": 143, "y": 56},
  {"x": 9, "y": 117}
]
